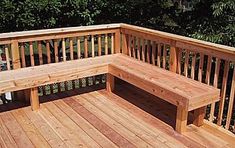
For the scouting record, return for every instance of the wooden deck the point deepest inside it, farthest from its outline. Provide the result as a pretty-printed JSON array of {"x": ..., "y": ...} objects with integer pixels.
[{"x": 91, "y": 117}]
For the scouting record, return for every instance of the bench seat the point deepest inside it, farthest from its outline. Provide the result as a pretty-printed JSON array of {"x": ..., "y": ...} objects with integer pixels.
[{"x": 178, "y": 90}]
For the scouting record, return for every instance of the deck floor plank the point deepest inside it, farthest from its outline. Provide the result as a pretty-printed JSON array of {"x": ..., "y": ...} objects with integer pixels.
[
  {"x": 68, "y": 136},
  {"x": 156, "y": 134},
  {"x": 85, "y": 125},
  {"x": 122, "y": 130},
  {"x": 69, "y": 124},
  {"x": 118, "y": 139},
  {"x": 153, "y": 138},
  {"x": 5, "y": 136},
  {"x": 46, "y": 131},
  {"x": 128, "y": 117},
  {"x": 16, "y": 130},
  {"x": 147, "y": 107},
  {"x": 32, "y": 132}
]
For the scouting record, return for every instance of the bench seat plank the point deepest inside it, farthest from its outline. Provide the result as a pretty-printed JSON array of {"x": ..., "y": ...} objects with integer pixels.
[
  {"x": 52, "y": 73},
  {"x": 176, "y": 89}
]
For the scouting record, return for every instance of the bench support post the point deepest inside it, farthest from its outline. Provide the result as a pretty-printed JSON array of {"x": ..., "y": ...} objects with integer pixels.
[
  {"x": 109, "y": 82},
  {"x": 34, "y": 99},
  {"x": 199, "y": 115},
  {"x": 181, "y": 120}
]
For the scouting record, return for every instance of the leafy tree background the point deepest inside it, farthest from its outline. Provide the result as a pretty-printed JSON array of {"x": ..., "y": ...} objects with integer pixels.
[{"x": 210, "y": 20}]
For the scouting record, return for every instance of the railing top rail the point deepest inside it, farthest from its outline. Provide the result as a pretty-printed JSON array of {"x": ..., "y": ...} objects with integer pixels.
[
  {"x": 178, "y": 38},
  {"x": 7, "y": 36}
]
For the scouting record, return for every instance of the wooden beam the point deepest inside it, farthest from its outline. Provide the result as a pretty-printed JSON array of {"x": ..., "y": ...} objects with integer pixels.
[
  {"x": 181, "y": 120},
  {"x": 110, "y": 82},
  {"x": 34, "y": 99},
  {"x": 199, "y": 115}
]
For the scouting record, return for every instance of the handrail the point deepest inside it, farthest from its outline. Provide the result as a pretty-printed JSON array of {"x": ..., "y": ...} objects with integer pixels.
[
  {"x": 177, "y": 38},
  {"x": 44, "y": 32}
]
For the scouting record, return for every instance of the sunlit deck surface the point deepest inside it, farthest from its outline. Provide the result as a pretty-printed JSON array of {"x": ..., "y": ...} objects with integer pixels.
[{"x": 90, "y": 117}]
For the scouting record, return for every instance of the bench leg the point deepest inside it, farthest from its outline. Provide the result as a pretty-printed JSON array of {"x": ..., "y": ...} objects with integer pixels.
[
  {"x": 181, "y": 120},
  {"x": 109, "y": 82},
  {"x": 34, "y": 99},
  {"x": 199, "y": 115}
]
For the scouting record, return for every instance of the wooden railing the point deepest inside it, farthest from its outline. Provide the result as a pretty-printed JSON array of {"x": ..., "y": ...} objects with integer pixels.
[
  {"x": 206, "y": 62},
  {"x": 32, "y": 48}
]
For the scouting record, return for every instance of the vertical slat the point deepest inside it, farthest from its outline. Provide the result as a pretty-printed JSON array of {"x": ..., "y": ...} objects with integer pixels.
[
  {"x": 134, "y": 47},
  {"x": 159, "y": 54},
  {"x": 23, "y": 62},
  {"x": 56, "y": 51},
  {"x": 48, "y": 52},
  {"x": 179, "y": 62},
  {"x": 164, "y": 56},
  {"x": 92, "y": 46},
  {"x": 40, "y": 52},
  {"x": 49, "y": 61},
  {"x": 112, "y": 43},
  {"x": 215, "y": 84},
  {"x": 0, "y": 62},
  {"x": 143, "y": 50},
  {"x": 125, "y": 44},
  {"x": 154, "y": 53},
  {"x": 78, "y": 48},
  {"x": 186, "y": 63},
  {"x": 223, "y": 93},
  {"x": 201, "y": 64},
  {"x": 148, "y": 51},
  {"x": 15, "y": 54},
  {"x": 85, "y": 47},
  {"x": 208, "y": 69},
  {"x": 231, "y": 100},
  {"x": 64, "y": 49},
  {"x": 71, "y": 48},
  {"x": 64, "y": 57},
  {"x": 117, "y": 41},
  {"x": 56, "y": 58},
  {"x": 31, "y": 53},
  {"x": 99, "y": 45},
  {"x": 129, "y": 45},
  {"x": 138, "y": 48},
  {"x": 106, "y": 44},
  {"x": 173, "y": 58},
  {"x": 7, "y": 58},
  {"x": 193, "y": 65}
]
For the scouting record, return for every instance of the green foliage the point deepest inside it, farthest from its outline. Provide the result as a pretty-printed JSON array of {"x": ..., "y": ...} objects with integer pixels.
[
  {"x": 210, "y": 20},
  {"x": 38, "y": 14}
]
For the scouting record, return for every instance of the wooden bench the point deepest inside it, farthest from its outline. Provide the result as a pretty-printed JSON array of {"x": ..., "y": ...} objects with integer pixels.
[{"x": 185, "y": 93}]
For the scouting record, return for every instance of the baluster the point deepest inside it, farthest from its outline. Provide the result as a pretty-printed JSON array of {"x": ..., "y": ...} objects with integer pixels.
[
  {"x": 99, "y": 45},
  {"x": 154, "y": 52},
  {"x": 71, "y": 48},
  {"x": 23, "y": 62},
  {"x": 223, "y": 92},
  {"x": 215, "y": 84},
  {"x": 78, "y": 48},
  {"x": 31, "y": 53},
  {"x": 231, "y": 100}
]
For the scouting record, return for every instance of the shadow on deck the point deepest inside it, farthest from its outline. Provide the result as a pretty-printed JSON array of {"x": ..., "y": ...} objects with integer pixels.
[{"x": 91, "y": 117}]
